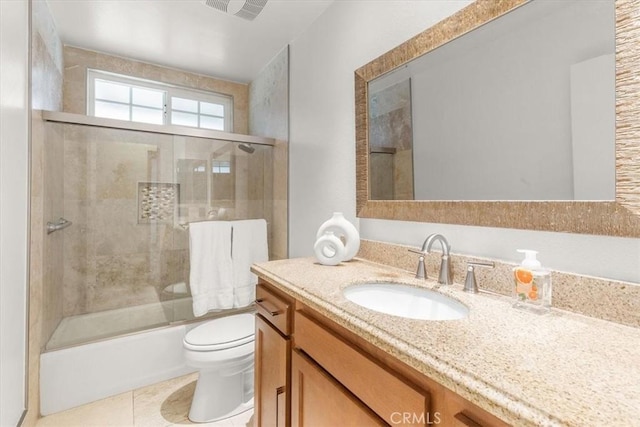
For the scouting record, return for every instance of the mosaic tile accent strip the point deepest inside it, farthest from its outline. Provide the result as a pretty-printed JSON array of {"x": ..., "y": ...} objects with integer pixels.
[{"x": 157, "y": 202}]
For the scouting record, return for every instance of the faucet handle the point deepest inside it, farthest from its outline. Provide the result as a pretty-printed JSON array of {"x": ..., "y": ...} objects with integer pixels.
[
  {"x": 421, "y": 272},
  {"x": 470, "y": 283}
]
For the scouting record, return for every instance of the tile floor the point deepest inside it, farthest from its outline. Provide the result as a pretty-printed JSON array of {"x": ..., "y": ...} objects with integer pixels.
[{"x": 158, "y": 405}]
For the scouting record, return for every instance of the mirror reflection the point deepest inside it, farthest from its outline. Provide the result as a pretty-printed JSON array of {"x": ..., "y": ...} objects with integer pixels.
[{"x": 522, "y": 108}]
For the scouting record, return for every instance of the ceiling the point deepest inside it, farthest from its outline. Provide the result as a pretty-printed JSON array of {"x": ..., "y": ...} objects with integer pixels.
[{"x": 185, "y": 34}]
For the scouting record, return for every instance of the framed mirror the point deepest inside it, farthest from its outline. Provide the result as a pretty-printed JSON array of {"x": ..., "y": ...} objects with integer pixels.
[{"x": 430, "y": 111}]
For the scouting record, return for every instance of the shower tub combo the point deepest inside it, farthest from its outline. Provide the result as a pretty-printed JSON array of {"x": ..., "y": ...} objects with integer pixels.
[{"x": 118, "y": 304}]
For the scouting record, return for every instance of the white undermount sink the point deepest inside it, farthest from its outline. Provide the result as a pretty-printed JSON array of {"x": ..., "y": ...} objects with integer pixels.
[{"x": 405, "y": 301}]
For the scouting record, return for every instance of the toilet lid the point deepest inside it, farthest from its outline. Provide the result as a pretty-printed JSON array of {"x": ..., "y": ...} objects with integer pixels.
[{"x": 221, "y": 333}]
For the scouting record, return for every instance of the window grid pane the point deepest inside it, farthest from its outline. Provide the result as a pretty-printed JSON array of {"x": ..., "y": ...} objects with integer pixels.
[
  {"x": 221, "y": 167},
  {"x": 147, "y": 97},
  {"x": 147, "y": 115},
  {"x": 119, "y": 99},
  {"x": 208, "y": 122},
  {"x": 112, "y": 110},
  {"x": 113, "y": 92},
  {"x": 184, "y": 105},
  {"x": 211, "y": 109},
  {"x": 184, "y": 119}
]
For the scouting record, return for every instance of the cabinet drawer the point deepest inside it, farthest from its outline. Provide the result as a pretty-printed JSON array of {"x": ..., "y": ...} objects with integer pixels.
[
  {"x": 460, "y": 412},
  {"x": 387, "y": 395},
  {"x": 275, "y": 309}
]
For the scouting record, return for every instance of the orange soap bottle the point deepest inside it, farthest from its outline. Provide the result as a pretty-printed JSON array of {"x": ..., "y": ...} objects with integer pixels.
[{"x": 532, "y": 284}]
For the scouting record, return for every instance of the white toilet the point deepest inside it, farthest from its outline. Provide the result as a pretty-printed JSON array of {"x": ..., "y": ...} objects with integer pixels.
[{"x": 222, "y": 349}]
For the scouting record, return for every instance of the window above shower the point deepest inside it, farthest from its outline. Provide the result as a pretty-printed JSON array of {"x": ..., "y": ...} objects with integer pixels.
[{"x": 116, "y": 96}]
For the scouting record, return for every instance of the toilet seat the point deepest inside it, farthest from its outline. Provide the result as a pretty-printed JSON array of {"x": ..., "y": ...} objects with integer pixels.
[{"x": 222, "y": 333}]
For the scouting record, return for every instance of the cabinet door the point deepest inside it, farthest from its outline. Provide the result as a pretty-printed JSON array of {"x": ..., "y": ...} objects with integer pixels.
[
  {"x": 389, "y": 396},
  {"x": 319, "y": 401},
  {"x": 272, "y": 353}
]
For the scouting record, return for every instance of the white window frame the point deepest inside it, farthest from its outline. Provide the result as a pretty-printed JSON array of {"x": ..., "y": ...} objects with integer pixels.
[{"x": 169, "y": 91}]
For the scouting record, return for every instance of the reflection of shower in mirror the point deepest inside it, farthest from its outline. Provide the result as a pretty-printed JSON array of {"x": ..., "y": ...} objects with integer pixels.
[{"x": 247, "y": 148}]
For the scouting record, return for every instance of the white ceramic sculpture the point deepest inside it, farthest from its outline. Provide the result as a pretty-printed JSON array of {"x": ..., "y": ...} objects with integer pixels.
[
  {"x": 329, "y": 249},
  {"x": 342, "y": 228}
]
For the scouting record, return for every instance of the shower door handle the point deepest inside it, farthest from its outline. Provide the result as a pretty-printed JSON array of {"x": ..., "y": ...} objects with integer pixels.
[{"x": 264, "y": 304}]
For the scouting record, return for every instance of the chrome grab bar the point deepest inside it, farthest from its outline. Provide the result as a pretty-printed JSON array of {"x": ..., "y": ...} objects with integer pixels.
[{"x": 57, "y": 225}]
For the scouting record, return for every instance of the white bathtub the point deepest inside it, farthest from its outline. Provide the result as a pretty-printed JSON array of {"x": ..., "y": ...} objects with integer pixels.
[
  {"x": 84, "y": 328},
  {"x": 74, "y": 376}
]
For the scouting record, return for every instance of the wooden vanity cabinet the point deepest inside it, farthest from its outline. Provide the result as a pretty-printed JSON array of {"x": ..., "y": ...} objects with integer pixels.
[
  {"x": 388, "y": 395},
  {"x": 311, "y": 371},
  {"x": 319, "y": 400},
  {"x": 459, "y": 412},
  {"x": 272, "y": 400}
]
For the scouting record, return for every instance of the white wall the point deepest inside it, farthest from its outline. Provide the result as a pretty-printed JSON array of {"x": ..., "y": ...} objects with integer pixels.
[
  {"x": 14, "y": 214},
  {"x": 322, "y": 170},
  {"x": 322, "y": 128}
]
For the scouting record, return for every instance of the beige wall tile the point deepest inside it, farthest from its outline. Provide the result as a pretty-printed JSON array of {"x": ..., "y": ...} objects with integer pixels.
[
  {"x": 269, "y": 117},
  {"x": 110, "y": 260}
]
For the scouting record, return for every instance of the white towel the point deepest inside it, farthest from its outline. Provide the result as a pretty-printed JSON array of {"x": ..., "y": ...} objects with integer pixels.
[
  {"x": 249, "y": 246},
  {"x": 211, "y": 274}
]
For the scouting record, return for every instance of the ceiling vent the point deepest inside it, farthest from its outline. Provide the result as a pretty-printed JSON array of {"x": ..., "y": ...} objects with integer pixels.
[{"x": 245, "y": 9}]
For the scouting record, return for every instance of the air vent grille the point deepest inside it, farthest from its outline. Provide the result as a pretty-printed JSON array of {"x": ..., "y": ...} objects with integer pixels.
[
  {"x": 249, "y": 11},
  {"x": 218, "y": 4}
]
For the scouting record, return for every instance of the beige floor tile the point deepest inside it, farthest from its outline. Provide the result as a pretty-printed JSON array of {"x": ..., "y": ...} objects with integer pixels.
[
  {"x": 159, "y": 405},
  {"x": 223, "y": 423},
  {"x": 243, "y": 420},
  {"x": 165, "y": 403},
  {"x": 116, "y": 411}
]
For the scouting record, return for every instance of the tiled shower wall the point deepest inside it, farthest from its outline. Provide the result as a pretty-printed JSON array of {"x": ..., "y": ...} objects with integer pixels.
[
  {"x": 269, "y": 116},
  {"x": 116, "y": 254},
  {"x": 45, "y": 266},
  {"x": 47, "y": 168},
  {"x": 111, "y": 261},
  {"x": 130, "y": 263}
]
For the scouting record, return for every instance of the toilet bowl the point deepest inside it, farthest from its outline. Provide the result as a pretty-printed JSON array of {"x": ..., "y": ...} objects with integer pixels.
[{"x": 222, "y": 349}]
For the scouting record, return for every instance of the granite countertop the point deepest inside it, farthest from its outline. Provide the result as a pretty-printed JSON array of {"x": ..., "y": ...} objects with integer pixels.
[{"x": 557, "y": 369}]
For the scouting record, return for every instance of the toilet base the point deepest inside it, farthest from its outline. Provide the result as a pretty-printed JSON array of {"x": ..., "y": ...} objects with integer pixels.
[
  {"x": 243, "y": 407},
  {"x": 219, "y": 395}
]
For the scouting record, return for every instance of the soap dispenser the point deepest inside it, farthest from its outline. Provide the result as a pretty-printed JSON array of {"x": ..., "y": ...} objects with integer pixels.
[{"x": 532, "y": 284}]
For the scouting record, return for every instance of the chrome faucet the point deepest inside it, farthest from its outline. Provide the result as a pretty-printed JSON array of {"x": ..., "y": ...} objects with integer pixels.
[{"x": 445, "y": 266}]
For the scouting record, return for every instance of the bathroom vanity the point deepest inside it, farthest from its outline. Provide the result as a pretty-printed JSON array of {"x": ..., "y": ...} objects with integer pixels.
[
  {"x": 336, "y": 378},
  {"x": 323, "y": 360}
]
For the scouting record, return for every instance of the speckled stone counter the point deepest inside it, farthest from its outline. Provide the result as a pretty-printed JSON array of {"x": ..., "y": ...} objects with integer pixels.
[{"x": 527, "y": 369}]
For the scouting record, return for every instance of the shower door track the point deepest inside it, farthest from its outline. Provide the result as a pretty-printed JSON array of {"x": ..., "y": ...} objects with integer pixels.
[{"x": 61, "y": 117}]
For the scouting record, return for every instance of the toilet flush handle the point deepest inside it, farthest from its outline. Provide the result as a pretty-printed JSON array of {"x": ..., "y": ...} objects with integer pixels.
[{"x": 264, "y": 304}]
